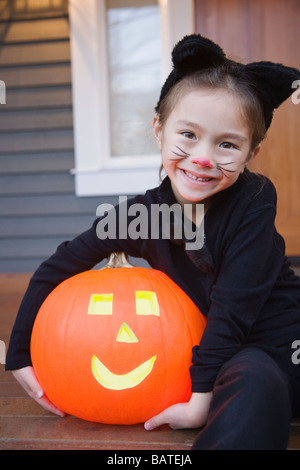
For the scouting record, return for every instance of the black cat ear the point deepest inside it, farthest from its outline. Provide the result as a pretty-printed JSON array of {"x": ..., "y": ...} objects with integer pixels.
[
  {"x": 192, "y": 53},
  {"x": 273, "y": 84},
  {"x": 195, "y": 52}
]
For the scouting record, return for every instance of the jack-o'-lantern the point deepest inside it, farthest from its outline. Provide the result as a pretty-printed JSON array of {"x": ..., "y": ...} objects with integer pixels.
[{"x": 115, "y": 345}]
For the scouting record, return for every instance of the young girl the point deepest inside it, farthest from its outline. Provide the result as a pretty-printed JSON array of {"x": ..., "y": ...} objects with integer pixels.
[{"x": 212, "y": 115}]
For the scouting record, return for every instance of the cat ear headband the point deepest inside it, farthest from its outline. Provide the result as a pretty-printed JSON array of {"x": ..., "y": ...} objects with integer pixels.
[{"x": 271, "y": 82}]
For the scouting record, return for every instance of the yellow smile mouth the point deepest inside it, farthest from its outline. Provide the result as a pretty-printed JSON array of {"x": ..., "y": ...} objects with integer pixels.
[{"x": 121, "y": 382}]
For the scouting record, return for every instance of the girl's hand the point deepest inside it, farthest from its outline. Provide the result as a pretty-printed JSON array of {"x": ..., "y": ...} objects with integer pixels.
[
  {"x": 27, "y": 378},
  {"x": 192, "y": 414}
]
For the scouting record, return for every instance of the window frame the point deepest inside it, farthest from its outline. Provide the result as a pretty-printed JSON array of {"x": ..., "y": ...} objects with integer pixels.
[{"x": 96, "y": 172}]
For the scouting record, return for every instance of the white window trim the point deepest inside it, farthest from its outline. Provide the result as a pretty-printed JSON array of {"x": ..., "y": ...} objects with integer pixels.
[{"x": 96, "y": 173}]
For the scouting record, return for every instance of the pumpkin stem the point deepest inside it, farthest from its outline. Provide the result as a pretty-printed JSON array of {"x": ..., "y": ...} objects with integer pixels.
[{"x": 118, "y": 260}]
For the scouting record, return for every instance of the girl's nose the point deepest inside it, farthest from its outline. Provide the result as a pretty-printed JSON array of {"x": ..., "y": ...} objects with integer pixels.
[{"x": 203, "y": 162}]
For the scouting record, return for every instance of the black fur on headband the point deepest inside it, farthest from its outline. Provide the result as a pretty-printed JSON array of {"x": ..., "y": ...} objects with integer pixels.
[{"x": 271, "y": 82}]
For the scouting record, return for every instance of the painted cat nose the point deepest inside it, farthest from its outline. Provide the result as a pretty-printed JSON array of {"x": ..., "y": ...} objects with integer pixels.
[{"x": 204, "y": 162}]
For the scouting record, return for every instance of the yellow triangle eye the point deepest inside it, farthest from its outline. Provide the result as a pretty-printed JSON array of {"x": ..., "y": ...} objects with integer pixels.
[{"x": 126, "y": 335}]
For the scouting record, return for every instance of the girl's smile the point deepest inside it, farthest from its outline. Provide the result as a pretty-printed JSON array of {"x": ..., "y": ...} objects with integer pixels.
[{"x": 205, "y": 144}]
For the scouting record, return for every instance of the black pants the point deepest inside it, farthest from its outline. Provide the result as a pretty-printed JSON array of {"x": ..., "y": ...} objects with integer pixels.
[{"x": 253, "y": 403}]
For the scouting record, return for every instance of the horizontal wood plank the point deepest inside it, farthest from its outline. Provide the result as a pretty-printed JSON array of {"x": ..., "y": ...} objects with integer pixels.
[
  {"x": 13, "y": 284},
  {"x": 24, "y": 9},
  {"x": 19, "y": 265},
  {"x": 65, "y": 226},
  {"x": 41, "y": 97},
  {"x": 57, "y": 139},
  {"x": 72, "y": 433},
  {"x": 33, "y": 247},
  {"x": 21, "y": 406},
  {"x": 36, "y": 75},
  {"x": 29, "y": 54},
  {"x": 38, "y": 30},
  {"x": 47, "y": 205},
  {"x": 59, "y": 183},
  {"x": 36, "y": 162},
  {"x": 41, "y": 119}
]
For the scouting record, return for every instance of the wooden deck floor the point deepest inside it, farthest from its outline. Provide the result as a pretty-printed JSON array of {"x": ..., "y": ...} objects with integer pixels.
[{"x": 25, "y": 425}]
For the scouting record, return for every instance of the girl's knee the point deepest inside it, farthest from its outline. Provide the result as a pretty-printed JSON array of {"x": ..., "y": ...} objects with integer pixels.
[
  {"x": 254, "y": 379},
  {"x": 251, "y": 407}
]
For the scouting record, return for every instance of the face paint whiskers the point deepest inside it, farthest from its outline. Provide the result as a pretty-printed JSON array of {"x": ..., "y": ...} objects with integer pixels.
[
  {"x": 180, "y": 155},
  {"x": 224, "y": 170}
]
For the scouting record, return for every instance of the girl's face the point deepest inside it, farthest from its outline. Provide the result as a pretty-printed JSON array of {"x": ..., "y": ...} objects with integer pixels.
[{"x": 205, "y": 144}]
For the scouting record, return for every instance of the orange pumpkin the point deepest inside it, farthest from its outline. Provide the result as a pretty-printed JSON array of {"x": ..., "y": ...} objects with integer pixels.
[{"x": 115, "y": 345}]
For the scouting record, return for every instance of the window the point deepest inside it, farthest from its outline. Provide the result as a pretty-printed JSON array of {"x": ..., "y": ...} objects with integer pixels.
[
  {"x": 135, "y": 74},
  {"x": 120, "y": 57}
]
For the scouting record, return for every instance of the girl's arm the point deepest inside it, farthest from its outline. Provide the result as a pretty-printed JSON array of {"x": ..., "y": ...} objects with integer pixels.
[
  {"x": 250, "y": 269},
  {"x": 192, "y": 414}
]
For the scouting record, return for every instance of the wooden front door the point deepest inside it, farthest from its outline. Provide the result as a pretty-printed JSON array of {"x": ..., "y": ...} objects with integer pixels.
[{"x": 255, "y": 30}]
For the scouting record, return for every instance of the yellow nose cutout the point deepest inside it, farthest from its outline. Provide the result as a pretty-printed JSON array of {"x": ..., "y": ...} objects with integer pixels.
[{"x": 126, "y": 335}]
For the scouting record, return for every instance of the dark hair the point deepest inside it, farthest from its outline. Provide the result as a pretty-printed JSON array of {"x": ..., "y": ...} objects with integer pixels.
[{"x": 226, "y": 77}]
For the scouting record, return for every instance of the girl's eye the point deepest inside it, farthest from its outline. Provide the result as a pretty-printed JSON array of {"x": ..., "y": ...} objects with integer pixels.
[
  {"x": 228, "y": 145},
  {"x": 189, "y": 135}
]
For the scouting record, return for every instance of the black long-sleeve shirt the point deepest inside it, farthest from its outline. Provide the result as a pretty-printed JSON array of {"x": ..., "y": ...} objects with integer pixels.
[{"x": 251, "y": 296}]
